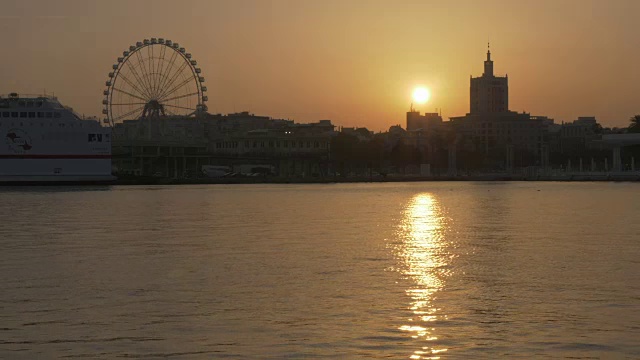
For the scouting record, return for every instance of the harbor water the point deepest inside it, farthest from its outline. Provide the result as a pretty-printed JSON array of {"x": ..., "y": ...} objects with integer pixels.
[{"x": 392, "y": 270}]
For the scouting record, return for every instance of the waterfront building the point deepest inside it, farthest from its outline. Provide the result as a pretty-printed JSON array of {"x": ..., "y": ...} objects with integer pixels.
[
  {"x": 241, "y": 122},
  {"x": 291, "y": 138},
  {"x": 426, "y": 122},
  {"x": 579, "y": 132},
  {"x": 362, "y": 133},
  {"x": 507, "y": 138},
  {"x": 575, "y": 137},
  {"x": 180, "y": 146},
  {"x": 579, "y": 135},
  {"x": 489, "y": 93}
]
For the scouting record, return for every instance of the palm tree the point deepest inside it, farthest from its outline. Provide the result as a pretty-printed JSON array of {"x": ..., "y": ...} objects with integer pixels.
[{"x": 634, "y": 127}]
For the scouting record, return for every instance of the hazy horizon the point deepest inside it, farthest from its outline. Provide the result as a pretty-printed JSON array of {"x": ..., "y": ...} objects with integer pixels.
[{"x": 354, "y": 62}]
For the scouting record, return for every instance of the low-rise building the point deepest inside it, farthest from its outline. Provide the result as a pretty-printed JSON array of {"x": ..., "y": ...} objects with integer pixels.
[
  {"x": 362, "y": 133},
  {"x": 425, "y": 122},
  {"x": 177, "y": 146}
]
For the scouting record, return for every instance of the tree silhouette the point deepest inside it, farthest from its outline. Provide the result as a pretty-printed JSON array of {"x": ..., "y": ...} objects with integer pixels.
[
  {"x": 634, "y": 127},
  {"x": 597, "y": 128}
]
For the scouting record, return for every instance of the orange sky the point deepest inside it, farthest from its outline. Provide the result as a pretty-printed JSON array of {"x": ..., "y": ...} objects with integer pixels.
[{"x": 354, "y": 62}]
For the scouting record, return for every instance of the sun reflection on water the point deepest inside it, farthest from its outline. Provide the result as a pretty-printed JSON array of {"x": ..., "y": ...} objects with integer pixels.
[{"x": 424, "y": 256}]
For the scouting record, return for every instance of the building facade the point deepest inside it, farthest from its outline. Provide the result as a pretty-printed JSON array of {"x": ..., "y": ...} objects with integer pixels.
[
  {"x": 507, "y": 138},
  {"x": 489, "y": 93},
  {"x": 181, "y": 146},
  {"x": 426, "y": 122}
]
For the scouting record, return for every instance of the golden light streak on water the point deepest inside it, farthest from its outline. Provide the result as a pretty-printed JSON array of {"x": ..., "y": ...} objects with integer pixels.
[
  {"x": 424, "y": 255},
  {"x": 321, "y": 271}
]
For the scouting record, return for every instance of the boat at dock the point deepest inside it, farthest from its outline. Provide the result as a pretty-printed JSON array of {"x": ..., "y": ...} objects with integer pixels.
[{"x": 45, "y": 142}]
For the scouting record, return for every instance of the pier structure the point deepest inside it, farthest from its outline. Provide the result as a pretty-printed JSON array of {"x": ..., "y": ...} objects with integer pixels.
[{"x": 616, "y": 142}]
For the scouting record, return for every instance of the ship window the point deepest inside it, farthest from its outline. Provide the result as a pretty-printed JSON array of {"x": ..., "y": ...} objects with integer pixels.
[
  {"x": 21, "y": 103},
  {"x": 30, "y": 104},
  {"x": 32, "y": 114},
  {"x": 23, "y": 114},
  {"x": 40, "y": 114},
  {"x": 57, "y": 115},
  {"x": 6, "y": 114},
  {"x": 39, "y": 104},
  {"x": 49, "y": 115},
  {"x": 14, "y": 114}
]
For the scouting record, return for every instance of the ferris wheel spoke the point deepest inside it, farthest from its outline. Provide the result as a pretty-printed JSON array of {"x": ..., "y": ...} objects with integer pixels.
[
  {"x": 179, "y": 107},
  {"x": 135, "y": 87},
  {"x": 169, "y": 68},
  {"x": 154, "y": 71},
  {"x": 177, "y": 87},
  {"x": 151, "y": 68},
  {"x": 128, "y": 104},
  {"x": 178, "y": 97},
  {"x": 143, "y": 84},
  {"x": 154, "y": 74},
  {"x": 173, "y": 79},
  {"x": 137, "y": 76},
  {"x": 145, "y": 76},
  {"x": 163, "y": 50},
  {"x": 130, "y": 94},
  {"x": 129, "y": 113}
]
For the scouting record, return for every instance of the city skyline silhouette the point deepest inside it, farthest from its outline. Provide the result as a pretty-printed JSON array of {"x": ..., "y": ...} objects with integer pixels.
[{"x": 355, "y": 63}]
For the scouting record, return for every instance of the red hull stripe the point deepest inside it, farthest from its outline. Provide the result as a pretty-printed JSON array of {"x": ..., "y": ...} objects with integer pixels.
[{"x": 61, "y": 156}]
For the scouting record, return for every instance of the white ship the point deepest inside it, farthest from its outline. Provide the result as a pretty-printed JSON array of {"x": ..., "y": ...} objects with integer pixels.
[{"x": 43, "y": 141}]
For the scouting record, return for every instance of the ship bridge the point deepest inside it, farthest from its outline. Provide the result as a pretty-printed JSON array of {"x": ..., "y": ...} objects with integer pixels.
[{"x": 15, "y": 101}]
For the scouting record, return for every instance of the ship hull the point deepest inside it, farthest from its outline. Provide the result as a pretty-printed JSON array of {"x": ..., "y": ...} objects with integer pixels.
[
  {"x": 43, "y": 142},
  {"x": 56, "y": 180}
]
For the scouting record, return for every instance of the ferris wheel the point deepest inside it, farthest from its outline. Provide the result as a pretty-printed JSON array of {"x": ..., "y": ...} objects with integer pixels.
[{"x": 153, "y": 79}]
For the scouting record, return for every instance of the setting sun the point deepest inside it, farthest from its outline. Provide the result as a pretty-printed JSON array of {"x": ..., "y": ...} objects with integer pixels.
[{"x": 421, "y": 95}]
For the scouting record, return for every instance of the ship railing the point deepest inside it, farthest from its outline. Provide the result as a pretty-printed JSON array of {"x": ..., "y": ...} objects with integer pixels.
[{"x": 27, "y": 96}]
